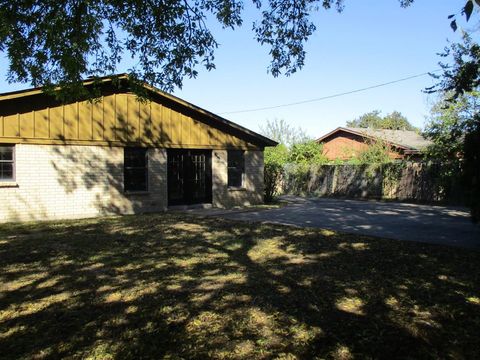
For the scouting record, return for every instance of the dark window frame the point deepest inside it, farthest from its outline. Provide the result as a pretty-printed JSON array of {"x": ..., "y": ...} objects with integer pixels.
[
  {"x": 13, "y": 162},
  {"x": 127, "y": 186},
  {"x": 235, "y": 170}
]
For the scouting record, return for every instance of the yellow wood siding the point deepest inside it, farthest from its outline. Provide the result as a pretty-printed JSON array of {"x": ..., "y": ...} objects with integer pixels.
[
  {"x": 57, "y": 123},
  {"x": 97, "y": 120},
  {"x": 10, "y": 126},
  {"x": 42, "y": 124},
  {"x": 27, "y": 125},
  {"x": 85, "y": 123},
  {"x": 145, "y": 123},
  {"x": 108, "y": 118},
  {"x": 115, "y": 119},
  {"x": 70, "y": 121}
]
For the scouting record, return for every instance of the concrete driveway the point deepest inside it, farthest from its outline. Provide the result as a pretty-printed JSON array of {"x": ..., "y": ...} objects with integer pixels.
[{"x": 423, "y": 223}]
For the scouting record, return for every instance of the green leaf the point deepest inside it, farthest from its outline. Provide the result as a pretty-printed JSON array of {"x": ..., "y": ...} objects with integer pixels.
[
  {"x": 453, "y": 25},
  {"x": 468, "y": 9}
]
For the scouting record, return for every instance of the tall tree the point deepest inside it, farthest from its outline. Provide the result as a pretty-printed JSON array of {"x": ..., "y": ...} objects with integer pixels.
[
  {"x": 374, "y": 120},
  {"x": 371, "y": 119},
  {"x": 59, "y": 42},
  {"x": 461, "y": 77},
  {"x": 397, "y": 121},
  {"x": 448, "y": 122},
  {"x": 284, "y": 133}
]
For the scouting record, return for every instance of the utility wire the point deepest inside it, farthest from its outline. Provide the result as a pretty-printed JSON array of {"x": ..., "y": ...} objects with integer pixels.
[{"x": 331, "y": 96}]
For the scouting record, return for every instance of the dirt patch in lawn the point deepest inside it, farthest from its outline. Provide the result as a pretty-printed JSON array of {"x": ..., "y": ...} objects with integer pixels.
[{"x": 177, "y": 286}]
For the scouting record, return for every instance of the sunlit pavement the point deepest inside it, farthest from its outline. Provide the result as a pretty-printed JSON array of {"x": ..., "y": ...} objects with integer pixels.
[{"x": 413, "y": 222}]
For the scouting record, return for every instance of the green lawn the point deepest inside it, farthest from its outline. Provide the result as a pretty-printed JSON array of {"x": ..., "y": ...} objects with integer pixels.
[{"x": 175, "y": 286}]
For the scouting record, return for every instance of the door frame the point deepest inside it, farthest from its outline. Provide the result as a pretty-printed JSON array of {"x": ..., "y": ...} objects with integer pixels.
[{"x": 188, "y": 170}]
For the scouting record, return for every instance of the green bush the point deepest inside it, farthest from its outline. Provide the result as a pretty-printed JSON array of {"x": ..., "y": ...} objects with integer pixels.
[
  {"x": 301, "y": 155},
  {"x": 377, "y": 152},
  {"x": 273, "y": 177},
  {"x": 275, "y": 160},
  {"x": 308, "y": 153}
]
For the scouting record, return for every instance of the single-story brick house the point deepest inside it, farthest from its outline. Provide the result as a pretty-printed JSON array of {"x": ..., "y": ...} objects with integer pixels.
[
  {"x": 344, "y": 143},
  {"x": 120, "y": 155}
]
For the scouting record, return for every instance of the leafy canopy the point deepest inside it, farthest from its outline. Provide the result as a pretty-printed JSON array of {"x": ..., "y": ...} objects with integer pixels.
[
  {"x": 448, "y": 123},
  {"x": 283, "y": 133},
  {"x": 463, "y": 74},
  {"x": 60, "y": 42},
  {"x": 460, "y": 85},
  {"x": 276, "y": 155},
  {"x": 377, "y": 152},
  {"x": 307, "y": 153},
  {"x": 394, "y": 121},
  {"x": 304, "y": 153}
]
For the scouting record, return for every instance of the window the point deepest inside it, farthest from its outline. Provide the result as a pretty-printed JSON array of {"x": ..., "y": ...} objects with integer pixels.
[
  {"x": 135, "y": 169},
  {"x": 7, "y": 163},
  {"x": 236, "y": 168}
]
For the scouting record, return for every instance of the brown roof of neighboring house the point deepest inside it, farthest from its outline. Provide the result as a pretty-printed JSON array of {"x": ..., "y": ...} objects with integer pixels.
[{"x": 405, "y": 139}]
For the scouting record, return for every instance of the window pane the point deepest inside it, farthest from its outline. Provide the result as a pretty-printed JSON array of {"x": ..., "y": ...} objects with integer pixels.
[
  {"x": 236, "y": 165},
  {"x": 234, "y": 178},
  {"x": 6, "y": 171},
  {"x": 6, "y": 153},
  {"x": 135, "y": 180},
  {"x": 235, "y": 158},
  {"x": 135, "y": 157},
  {"x": 135, "y": 169}
]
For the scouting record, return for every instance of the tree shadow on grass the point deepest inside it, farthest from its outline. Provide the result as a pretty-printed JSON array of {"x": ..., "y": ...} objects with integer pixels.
[{"x": 167, "y": 285}]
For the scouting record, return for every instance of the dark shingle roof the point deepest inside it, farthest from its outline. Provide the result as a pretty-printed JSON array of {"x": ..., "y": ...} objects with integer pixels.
[
  {"x": 406, "y": 138},
  {"x": 410, "y": 141}
]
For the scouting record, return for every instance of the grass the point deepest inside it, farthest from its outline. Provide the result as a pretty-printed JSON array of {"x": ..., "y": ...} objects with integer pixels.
[{"x": 180, "y": 287}]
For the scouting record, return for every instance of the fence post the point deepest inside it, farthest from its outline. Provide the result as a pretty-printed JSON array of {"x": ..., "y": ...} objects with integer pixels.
[{"x": 334, "y": 180}]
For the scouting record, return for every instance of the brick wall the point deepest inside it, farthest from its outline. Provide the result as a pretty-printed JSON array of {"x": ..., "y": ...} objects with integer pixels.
[
  {"x": 65, "y": 182},
  {"x": 344, "y": 146},
  {"x": 59, "y": 182},
  {"x": 252, "y": 191}
]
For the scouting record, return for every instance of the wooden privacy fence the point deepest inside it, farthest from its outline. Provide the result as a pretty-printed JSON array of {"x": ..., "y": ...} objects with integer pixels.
[{"x": 413, "y": 181}]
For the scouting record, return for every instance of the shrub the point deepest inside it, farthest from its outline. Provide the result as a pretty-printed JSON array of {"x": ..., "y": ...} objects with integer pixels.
[
  {"x": 275, "y": 160},
  {"x": 307, "y": 153},
  {"x": 273, "y": 177},
  {"x": 377, "y": 152}
]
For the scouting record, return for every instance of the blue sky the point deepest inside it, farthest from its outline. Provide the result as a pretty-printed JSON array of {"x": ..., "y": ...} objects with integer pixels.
[{"x": 370, "y": 42}]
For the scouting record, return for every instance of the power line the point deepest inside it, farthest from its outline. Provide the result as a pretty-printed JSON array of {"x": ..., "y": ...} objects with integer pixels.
[{"x": 331, "y": 96}]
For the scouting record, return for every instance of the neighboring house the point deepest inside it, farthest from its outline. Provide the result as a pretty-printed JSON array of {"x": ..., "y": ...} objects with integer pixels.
[
  {"x": 345, "y": 143},
  {"x": 119, "y": 155}
]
